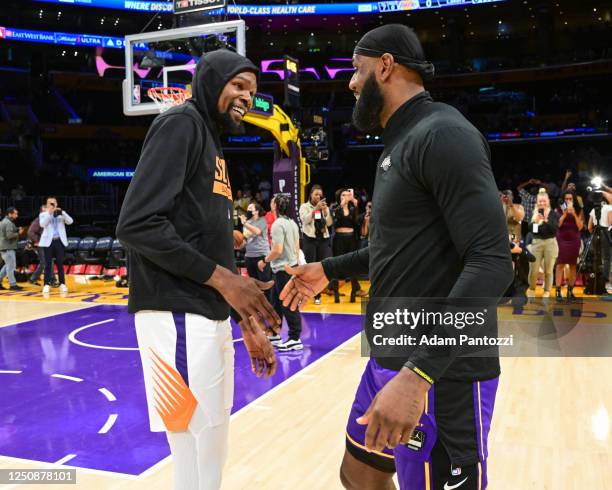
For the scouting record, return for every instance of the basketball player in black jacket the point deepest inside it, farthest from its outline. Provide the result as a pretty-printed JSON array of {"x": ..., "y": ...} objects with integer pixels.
[
  {"x": 176, "y": 222},
  {"x": 436, "y": 231}
]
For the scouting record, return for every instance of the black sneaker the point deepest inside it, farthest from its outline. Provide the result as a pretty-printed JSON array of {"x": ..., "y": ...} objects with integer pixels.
[
  {"x": 55, "y": 284},
  {"x": 35, "y": 283},
  {"x": 16, "y": 288}
]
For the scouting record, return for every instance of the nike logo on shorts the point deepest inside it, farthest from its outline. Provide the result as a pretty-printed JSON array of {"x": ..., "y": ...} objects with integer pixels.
[{"x": 451, "y": 487}]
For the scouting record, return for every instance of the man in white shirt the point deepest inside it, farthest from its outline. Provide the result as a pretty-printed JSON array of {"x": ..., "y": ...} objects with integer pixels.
[{"x": 54, "y": 240}]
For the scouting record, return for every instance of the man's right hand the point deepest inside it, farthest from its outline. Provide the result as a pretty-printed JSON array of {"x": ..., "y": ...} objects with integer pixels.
[
  {"x": 245, "y": 295},
  {"x": 307, "y": 281}
]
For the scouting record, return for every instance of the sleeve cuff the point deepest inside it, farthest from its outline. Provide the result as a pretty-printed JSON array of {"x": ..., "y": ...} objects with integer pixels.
[
  {"x": 200, "y": 269},
  {"x": 328, "y": 268}
]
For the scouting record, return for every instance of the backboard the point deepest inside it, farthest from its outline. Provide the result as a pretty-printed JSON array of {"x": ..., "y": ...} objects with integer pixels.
[{"x": 168, "y": 58}]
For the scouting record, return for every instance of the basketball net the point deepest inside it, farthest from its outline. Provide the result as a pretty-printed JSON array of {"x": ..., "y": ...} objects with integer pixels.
[{"x": 167, "y": 97}]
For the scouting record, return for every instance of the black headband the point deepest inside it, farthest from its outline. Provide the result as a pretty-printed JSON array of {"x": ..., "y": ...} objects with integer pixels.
[
  {"x": 423, "y": 68},
  {"x": 401, "y": 42}
]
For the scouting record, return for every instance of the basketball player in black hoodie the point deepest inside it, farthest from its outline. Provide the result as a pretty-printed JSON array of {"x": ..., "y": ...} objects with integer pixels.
[{"x": 176, "y": 222}]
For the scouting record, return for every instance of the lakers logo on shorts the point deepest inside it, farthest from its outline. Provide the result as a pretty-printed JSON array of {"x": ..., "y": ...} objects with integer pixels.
[
  {"x": 174, "y": 401},
  {"x": 221, "y": 184}
]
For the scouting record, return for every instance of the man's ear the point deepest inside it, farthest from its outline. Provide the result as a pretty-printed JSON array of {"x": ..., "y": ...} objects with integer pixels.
[{"x": 386, "y": 64}]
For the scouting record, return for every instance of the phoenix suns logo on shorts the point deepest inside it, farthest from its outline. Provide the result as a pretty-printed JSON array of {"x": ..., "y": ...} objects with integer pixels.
[{"x": 221, "y": 184}]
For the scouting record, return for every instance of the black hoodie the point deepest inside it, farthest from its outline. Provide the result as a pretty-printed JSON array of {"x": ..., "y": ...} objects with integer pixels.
[{"x": 176, "y": 219}]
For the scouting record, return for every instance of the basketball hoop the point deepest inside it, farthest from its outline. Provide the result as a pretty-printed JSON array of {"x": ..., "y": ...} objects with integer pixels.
[{"x": 167, "y": 97}]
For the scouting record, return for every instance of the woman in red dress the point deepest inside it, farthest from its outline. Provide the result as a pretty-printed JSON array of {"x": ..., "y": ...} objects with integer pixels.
[{"x": 568, "y": 238}]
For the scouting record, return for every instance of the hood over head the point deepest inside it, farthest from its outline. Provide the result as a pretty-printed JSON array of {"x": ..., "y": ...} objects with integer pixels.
[{"x": 213, "y": 71}]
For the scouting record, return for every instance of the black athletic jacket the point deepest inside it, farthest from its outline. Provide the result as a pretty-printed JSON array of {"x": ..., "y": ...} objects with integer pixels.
[
  {"x": 437, "y": 229},
  {"x": 176, "y": 219}
]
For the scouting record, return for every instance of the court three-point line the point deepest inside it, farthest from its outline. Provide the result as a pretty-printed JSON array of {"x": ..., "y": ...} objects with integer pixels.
[
  {"x": 110, "y": 397},
  {"x": 65, "y": 459},
  {"x": 109, "y": 423},
  {"x": 69, "y": 378}
]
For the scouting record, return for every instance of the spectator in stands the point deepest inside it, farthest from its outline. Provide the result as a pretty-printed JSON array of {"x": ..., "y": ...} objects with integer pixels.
[
  {"x": 551, "y": 188},
  {"x": 515, "y": 213},
  {"x": 255, "y": 230},
  {"x": 316, "y": 222},
  {"x": 544, "y": 225},
  {"x": 571, "y": 224},
  {"x": 34, "y": 234},
  {"x": 18, "y": 193},
  {"x": 528, "y": 199},
  {"x": 54, "y": 240},
  {"x": 271, "y": 217},
  {"x": 241, "y": 203},
  {"x": 265, "y": 188},
  {"x": 285, "y": 251},
  {"x": 570, "y": 186},
  {"x": 364, "y": 228},
  {"x": 346, "y": 224},
  {"x": 606, "y": 251},
  {"x": 9, "y": 235}
]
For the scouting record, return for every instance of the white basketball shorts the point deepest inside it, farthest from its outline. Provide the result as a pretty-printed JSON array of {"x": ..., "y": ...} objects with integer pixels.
[{"x": 187, "y": 359}]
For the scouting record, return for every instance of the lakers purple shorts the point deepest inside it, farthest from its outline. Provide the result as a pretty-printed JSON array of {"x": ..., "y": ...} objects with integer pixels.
[{"x": 447, "y": 450}]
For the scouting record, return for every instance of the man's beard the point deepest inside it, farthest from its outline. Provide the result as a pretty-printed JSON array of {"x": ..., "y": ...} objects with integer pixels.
[
  {"x": 366, "y": 114},
  {"x": 228, "y": 126}
]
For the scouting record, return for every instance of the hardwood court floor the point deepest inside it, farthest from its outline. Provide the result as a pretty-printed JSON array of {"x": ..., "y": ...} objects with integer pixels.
[{"x": 551, "y": 428}]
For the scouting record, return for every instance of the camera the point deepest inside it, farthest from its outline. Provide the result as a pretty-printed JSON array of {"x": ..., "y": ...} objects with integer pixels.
[
  {"x": 57, "y": 213},
  {"x": 314, "y": 144}
]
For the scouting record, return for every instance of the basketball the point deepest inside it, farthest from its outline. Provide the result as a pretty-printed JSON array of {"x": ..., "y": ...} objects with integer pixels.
[{"x": 238, "y": 240}]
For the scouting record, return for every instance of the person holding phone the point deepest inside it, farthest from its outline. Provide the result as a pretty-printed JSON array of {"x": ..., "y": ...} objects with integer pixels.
[
  {"x": 346, "y": 224},
  {"x": 571, "y": 224},
  {"x": 544, "y": 225},
  {"x": 316, "y": 221},
  {"x": 54, "y": 241}
]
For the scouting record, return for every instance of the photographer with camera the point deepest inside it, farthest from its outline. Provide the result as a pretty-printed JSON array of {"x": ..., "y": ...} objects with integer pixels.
[
  {"x": 544, "y": 225},
  {"x": 34, "y": 233},
  {"x": 9, "y": 235},
  {"x": 515, "y": 213},
  {"x": 605, "y": 223},
  {"x": 316, "y": 220},
  {"x": 571, "y": 224},
  {"x": 54, "y": 240}
]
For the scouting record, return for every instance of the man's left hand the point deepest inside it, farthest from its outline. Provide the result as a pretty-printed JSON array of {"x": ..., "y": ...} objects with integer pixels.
[
  {"x": 395, "y": 411},
  {"x": 261, "y": 352}
]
